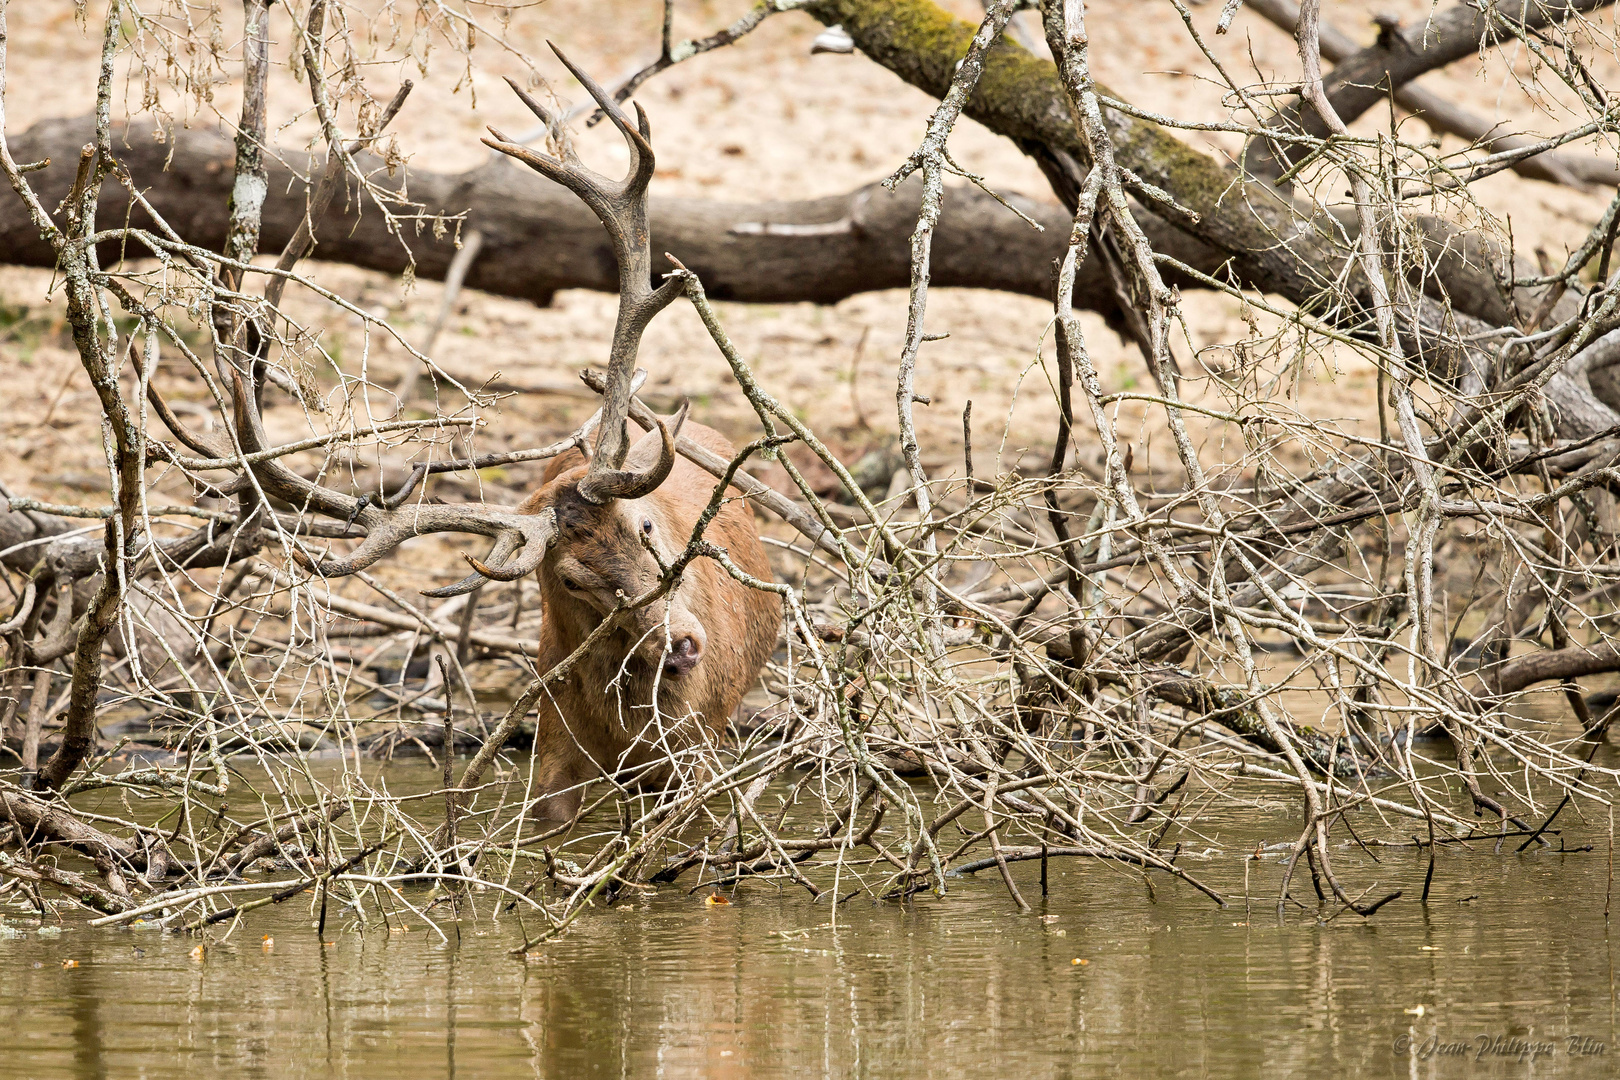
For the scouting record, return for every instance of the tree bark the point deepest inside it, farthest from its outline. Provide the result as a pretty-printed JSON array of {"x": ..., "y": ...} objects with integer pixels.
[
  {"x": 1571, "y": 663},
  {"x": 1440, "y": 114},
  {"x": 539, "y": 238},
  {"x": 1277, "y": 245},
  {"x": 1361, "y": 81}
]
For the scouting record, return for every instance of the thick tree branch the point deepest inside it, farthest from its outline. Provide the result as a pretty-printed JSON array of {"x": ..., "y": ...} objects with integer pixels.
[
  {"x": 539, "y": 238},
  {"x": 1277, "y": 245},
  {"x": 1571, "y": 663},
  {"x": 1361, "y": 81},
  {"x": 1443, "y": 115}
]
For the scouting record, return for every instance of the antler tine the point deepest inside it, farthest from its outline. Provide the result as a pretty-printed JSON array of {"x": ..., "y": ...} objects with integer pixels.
[
  {"x": 535, "y": 535},
  {"x": 193, "y": 440},
  {"x": 371, "y": 550},
  {"x": 522, "y": 568},
  {"x": 505, "y": 545},
  {"x": 554, "y": 127},
  {"x": 639, "y": 136},
  {"x": 502, "y": 551},
  {"x": 621, "y": 205},
  {"x": 541, "y": 113},
  {"x": 570, "y": 174},
  {"x": 465, "y": 585},
  {"x": 275, "y": 478},
  {"x": 387, "y": 529},
  {"x": 606, "y": 486},
  {"x": 607, "y": 198}
]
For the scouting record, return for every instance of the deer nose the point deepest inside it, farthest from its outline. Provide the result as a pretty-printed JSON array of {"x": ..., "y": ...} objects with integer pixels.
[{"x": 684, "y": 654}]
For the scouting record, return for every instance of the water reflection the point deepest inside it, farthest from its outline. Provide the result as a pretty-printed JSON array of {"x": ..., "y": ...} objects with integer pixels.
[{"x": 666, "y": 986}]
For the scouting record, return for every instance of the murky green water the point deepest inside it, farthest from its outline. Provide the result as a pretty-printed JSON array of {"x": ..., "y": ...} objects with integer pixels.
[{"x": 666, "y": 985}]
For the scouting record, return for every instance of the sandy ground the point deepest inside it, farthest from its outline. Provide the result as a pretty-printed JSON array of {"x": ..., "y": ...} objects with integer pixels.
[{"x": 763, "y": 119}]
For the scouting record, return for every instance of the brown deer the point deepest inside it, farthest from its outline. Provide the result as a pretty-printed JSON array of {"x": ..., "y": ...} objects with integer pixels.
[
  {"x": 673, "y": 671},
  {"x": 660, "y": 678},
  {"x": 666, "y": 676}
]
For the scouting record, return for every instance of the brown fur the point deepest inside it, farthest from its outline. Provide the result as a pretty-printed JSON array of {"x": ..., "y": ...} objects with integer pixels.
[{"x": 595, "y": 720}]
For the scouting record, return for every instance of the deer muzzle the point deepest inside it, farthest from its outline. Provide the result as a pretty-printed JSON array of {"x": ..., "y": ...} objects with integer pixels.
[{"x": 678, "y": 646}]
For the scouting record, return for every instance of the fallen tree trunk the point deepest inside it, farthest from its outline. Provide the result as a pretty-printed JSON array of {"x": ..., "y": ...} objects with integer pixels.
[
  {"x": 1276, "y": 244},
  {"x": 538, "y": 238},
  {"x": 23, "y": 535}
]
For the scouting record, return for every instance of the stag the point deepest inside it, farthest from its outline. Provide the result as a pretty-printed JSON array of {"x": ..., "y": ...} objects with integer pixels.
[
  {"x": 672, "y": 671},
  {"x": 613, "y": 535},
  {"x": 611, "y": 527}
]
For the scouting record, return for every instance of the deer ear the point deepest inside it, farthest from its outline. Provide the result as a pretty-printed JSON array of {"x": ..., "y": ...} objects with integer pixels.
[{"x": 644, "y": 454}]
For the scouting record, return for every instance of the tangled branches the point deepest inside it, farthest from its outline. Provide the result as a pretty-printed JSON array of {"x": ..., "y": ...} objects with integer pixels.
[{"x": 974, "y": 669}]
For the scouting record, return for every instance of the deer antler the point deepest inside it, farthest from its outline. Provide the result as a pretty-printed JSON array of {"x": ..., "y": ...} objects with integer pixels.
[
  {"x": 534, "y": 532},
  {"x": 386, "y": 529},
  {"x": 509, "y": 528},
  {"x": 602, "y": 487},
  {"x": 622, "y": 207},
  {"x": 520, "y": 539}
]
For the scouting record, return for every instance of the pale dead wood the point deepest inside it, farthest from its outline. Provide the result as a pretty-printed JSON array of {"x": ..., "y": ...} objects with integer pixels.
[{"x": 963, "y": 671}]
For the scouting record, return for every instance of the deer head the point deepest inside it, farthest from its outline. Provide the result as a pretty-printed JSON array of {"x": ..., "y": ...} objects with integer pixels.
[
  {"x": 614, "y": 536},
  {"x": 600, "y": 525}
]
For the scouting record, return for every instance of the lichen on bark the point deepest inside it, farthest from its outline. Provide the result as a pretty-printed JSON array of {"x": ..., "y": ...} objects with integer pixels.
[{"x": 1278, "y": 246}]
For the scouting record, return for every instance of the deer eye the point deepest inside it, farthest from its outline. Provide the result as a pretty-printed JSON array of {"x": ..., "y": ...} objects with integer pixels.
[
  {"x": 568, "y": 583},
  {"x": 646, "y": 526}
]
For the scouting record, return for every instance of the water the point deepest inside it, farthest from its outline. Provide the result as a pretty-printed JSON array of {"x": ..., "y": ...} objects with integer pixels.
[{"x": 667, "y": 985}]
